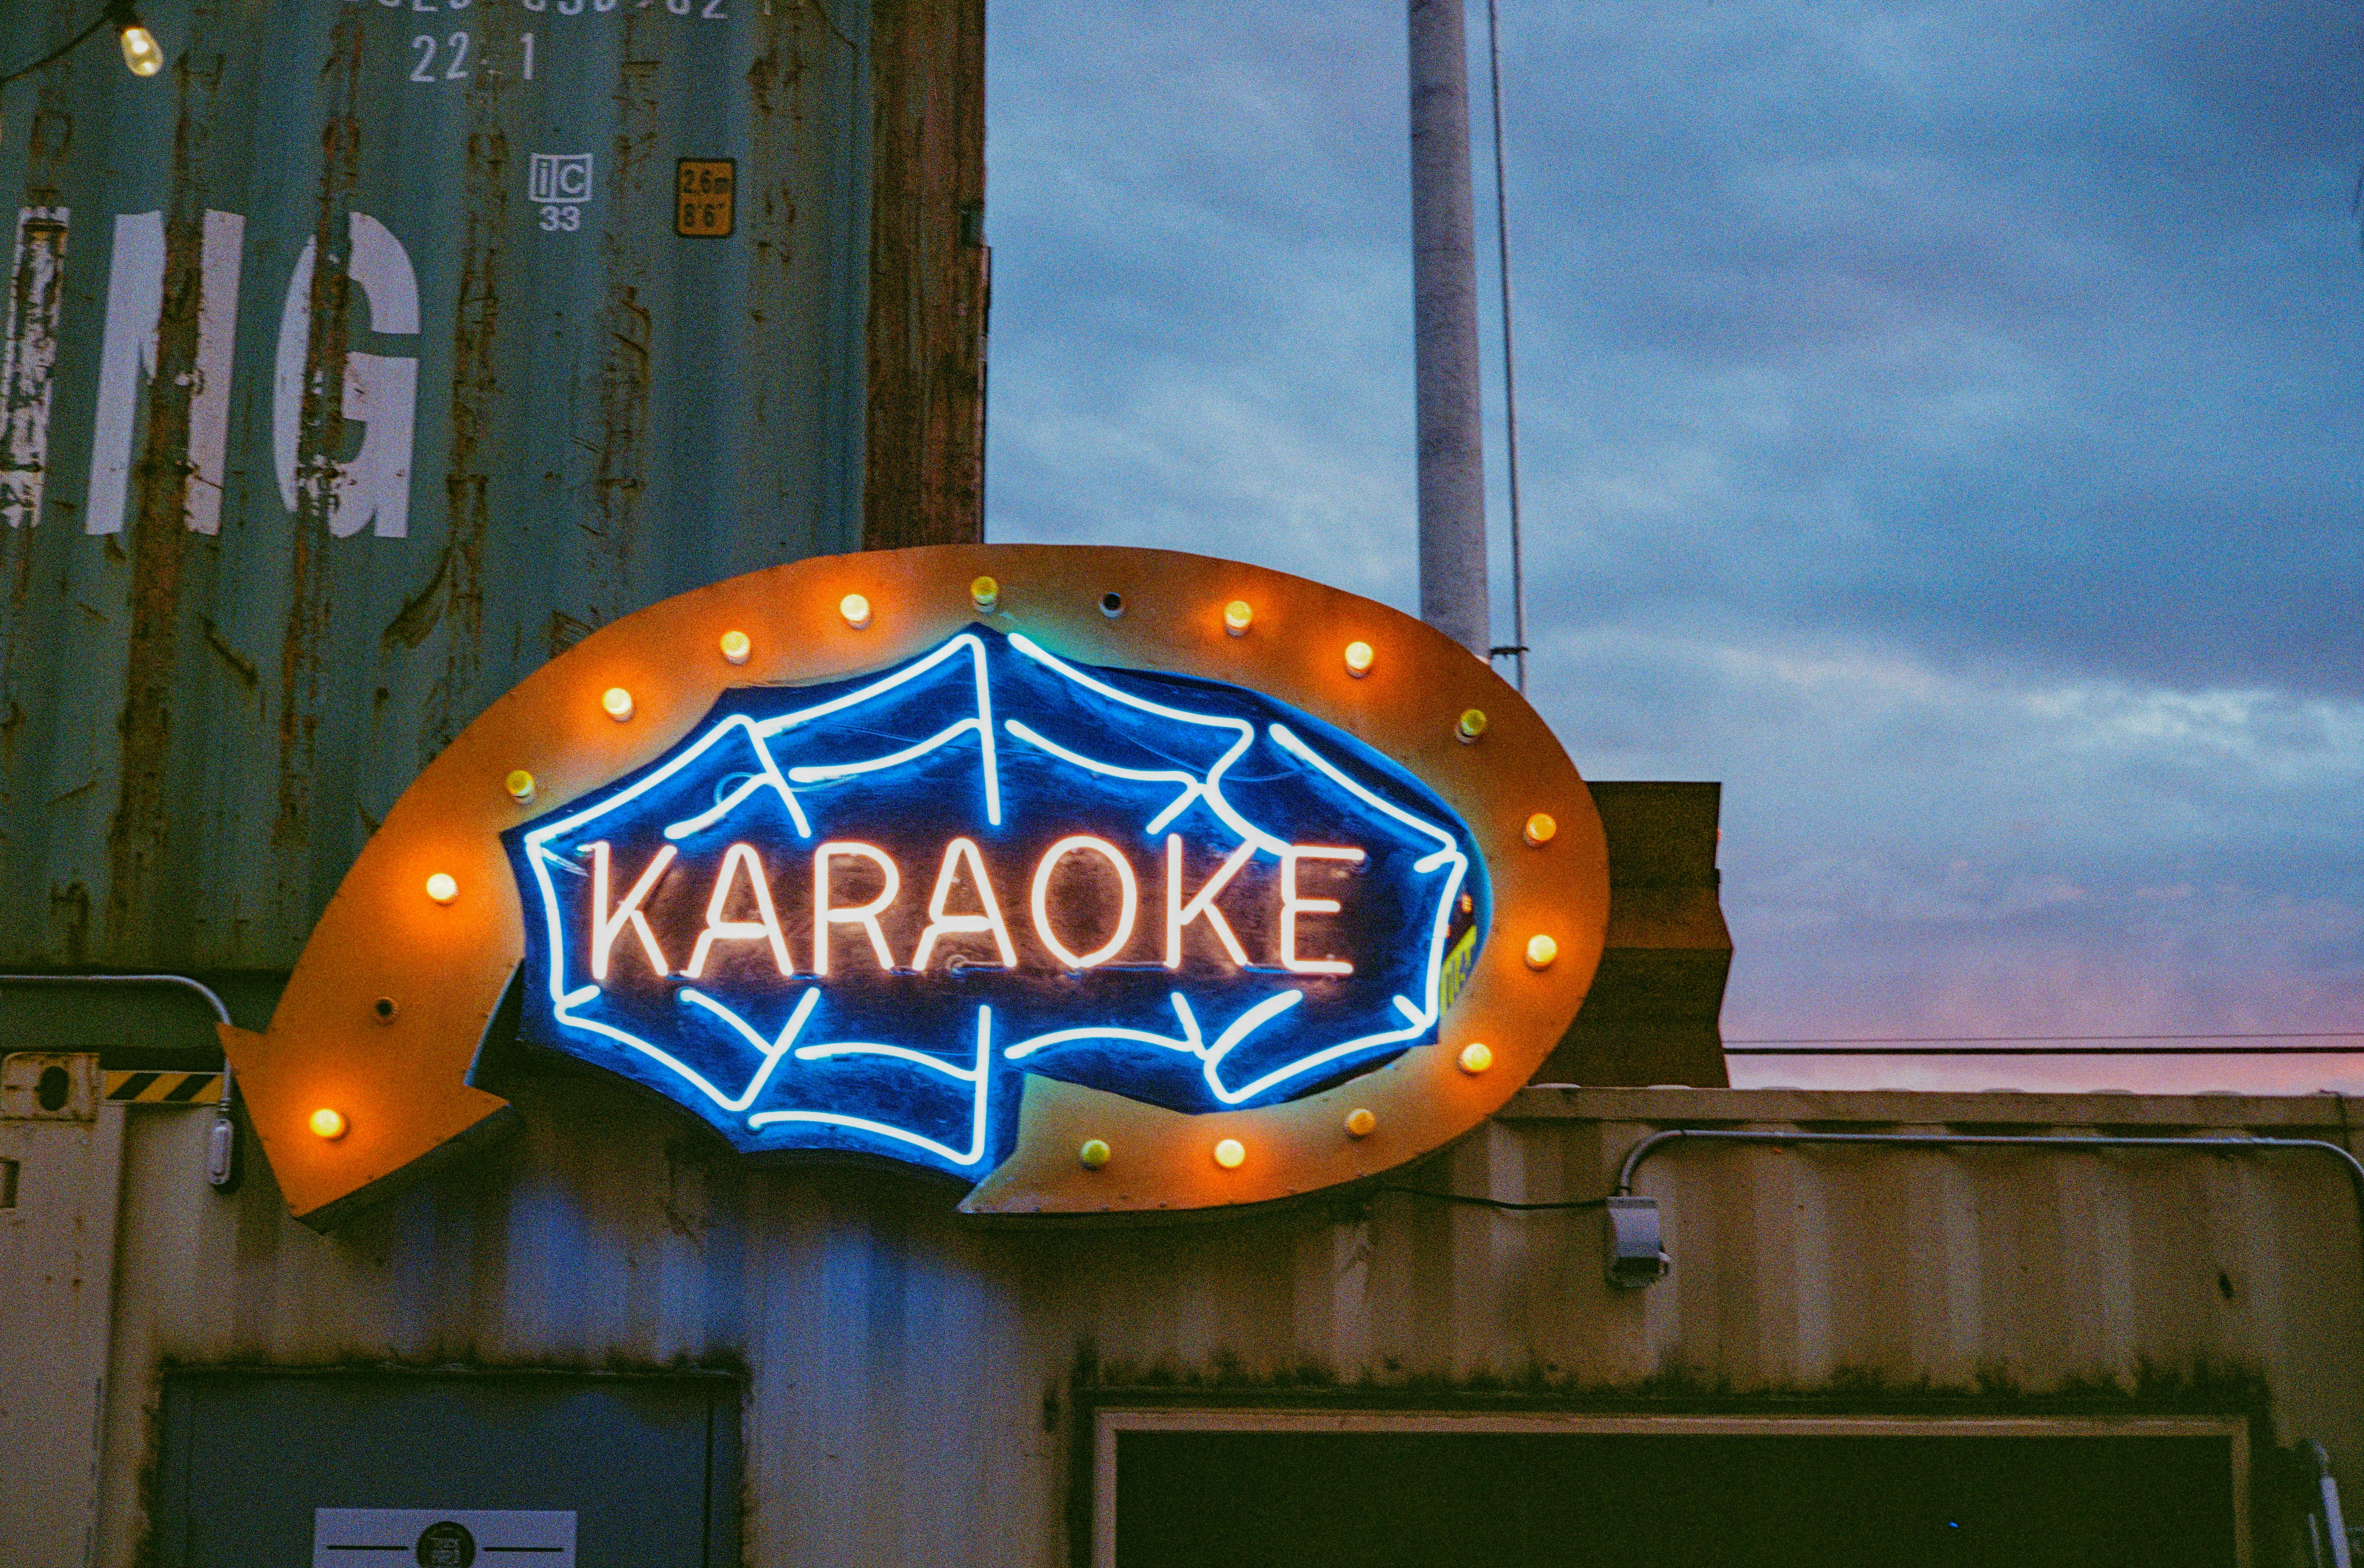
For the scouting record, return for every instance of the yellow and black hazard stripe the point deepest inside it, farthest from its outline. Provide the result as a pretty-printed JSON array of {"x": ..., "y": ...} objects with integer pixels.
[{"x": 163, "y": 1088}]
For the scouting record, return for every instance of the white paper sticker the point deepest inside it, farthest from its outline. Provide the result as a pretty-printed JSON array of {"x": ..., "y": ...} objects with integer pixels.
[{"x": 443, "y": 1537}]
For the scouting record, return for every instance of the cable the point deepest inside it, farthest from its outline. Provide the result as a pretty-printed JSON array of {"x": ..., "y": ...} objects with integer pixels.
[
  {"x": 1475, "y": 1203},
  {"x": 2053, "y": 1051},
  {"x": 1518, "y": 644},
  {"x": 2026, "y": 1040},
  {"x": 105, "y": 16}
]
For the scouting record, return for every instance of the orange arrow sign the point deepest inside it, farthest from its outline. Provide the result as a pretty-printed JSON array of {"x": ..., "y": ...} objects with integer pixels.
[{"x": 361, "y": 1076}]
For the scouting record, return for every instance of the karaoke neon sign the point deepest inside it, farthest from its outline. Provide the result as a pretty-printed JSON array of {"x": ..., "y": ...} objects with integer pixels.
[{"x": 858, "y": 915}]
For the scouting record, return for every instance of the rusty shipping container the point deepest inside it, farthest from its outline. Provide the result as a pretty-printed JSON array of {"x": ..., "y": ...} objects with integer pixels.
[
  {"x": 379, "y": 349},
  {"x": 908, "y": 1388}
]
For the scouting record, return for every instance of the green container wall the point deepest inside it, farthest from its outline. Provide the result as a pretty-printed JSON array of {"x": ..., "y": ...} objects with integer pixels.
[{"x": 349, "y": 374}]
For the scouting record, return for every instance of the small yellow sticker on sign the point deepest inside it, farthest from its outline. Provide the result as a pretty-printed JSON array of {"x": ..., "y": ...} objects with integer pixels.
[{"x": 704, "y": 189}]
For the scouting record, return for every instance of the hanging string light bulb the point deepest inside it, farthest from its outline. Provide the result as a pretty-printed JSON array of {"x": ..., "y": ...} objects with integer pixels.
[{"x": 142, "y": 56}]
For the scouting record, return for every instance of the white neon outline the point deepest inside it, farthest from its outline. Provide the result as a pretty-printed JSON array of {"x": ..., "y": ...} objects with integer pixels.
[
  {"x": 1419, "y": 1019},
  {"x": 1210, "y": 789},
  {"x": 1450, "y": 854},
  {"x": 1193, "y": 1043},
  {"x": 731, "y": 802},
  {"x": 1191, "y": 787},
  {"x": 1078, "y": 842},
  {"x": 978, "y": 1075},
  {"x": 771, "y": 1053}
]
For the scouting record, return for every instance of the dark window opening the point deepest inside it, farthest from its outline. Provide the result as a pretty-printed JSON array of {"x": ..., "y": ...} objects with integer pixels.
[{"x": 1410, "y": 1500}]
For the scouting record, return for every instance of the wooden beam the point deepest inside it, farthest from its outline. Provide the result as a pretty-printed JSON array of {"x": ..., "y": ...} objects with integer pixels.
[{"x": 930, "y": 276}]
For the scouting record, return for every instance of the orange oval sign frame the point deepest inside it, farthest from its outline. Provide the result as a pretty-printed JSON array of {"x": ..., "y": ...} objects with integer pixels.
[{"x": 382, "y": 1017}]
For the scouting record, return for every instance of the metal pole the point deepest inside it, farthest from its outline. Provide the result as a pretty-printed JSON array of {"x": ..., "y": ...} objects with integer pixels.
[{"x": 1445, "y": 333}]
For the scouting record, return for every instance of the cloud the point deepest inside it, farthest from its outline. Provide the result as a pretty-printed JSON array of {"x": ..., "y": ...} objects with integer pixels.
[{"x": 1938, "y": 422}]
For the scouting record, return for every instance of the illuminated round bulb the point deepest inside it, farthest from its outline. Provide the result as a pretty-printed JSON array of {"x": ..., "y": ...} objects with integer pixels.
[
  {"x": 736, "y": 646},
  {"x": 1360, "y": 1123},
  {"x": 1094, "y": 1154},
  {"x": 1359, "y": 658},
  {"x": 142, "y": 56},
  {"x": 1539, "y": 830},
  {"x": 856, "y": 610},
  {"x": 441, "y": 888},
  {"x": 1475, "y": 1059},
  {"x": 1472, "y": 724},
  {"x": 618, "y": 703},
  {"x": 1231, "y": 1153},
  {"x": 327, "y": 1124},
  {"x": 983, "y": 592},
  {"x": 519, "y": 784},
  {"x": 1541, "y": 951},
  {"x": 1237, "y": 617}
]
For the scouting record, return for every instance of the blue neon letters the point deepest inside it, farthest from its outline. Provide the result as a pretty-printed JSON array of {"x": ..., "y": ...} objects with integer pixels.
[{"x": 855, "y": 916}]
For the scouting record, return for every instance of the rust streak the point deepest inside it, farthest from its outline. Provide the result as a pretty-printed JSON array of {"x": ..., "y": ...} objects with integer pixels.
[
  {"x": 319, "y": 440},
  {"x": 137, "y": 835}
]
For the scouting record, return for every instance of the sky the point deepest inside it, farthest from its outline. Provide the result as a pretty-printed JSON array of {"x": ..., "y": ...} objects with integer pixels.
[{"x": 1939, "y": 423}]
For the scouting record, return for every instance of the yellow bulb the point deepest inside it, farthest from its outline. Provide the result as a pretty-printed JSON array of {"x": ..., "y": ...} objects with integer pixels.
[
  {"x": 1539, "y": 830},
  {"x": 856, "y": 610},
  {"x": 441, "y": 888},
  {"x": 618, "y": 703},
  {"x": 1094, "y": 1154},
  {"x": 327, "y": 1124},
  {"x": 983, "y": 592},
  {"x": 1231, "y": 1153},
  {"x": 1360, "y": 1123},
  {"x": 142, "y": 56},
  {"x": 1359, "y": 658},
  {"x": 1238, "y": 617},
  {"x": 519, "y": 784},
  {"x": 736, "y": 646},
  {"x": 1541, "y": 951},
  {"x": 1472, "y": 724},
  {"x": 1475, "y": 1059}
]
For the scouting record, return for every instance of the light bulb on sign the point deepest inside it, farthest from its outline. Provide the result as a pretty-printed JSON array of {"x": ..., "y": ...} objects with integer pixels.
[
  {"x": 1539, "y": 830},
  {"x": 1359, "y": 658},
  {"x": 1541, "y": 951},
  {"x": 1475, "y": 1059},
  {"x": 1238, "y": 617},
  {"x": 519, "y": 784},
  {"x": 327, "y": 1124},
  {"x": 736, "y": 646},
  {"x": 141, "y": 54},
  {"x": 618, "y": 703},
  {"x": 1360, "y": 1123},
  {"x": 442, "y": 888},
  {"x": 1231, "y": 1153},
  {"x": 1472, "y": 724},
  {"x": 856, "y": 610},
  {"x": 1094, "y": 1154},
  {"x": 983, "y": 592}
]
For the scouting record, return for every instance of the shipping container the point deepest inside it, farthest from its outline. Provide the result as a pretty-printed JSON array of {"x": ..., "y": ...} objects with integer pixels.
[
  {"x": 905, "y": 1386},
  {"x": 377, "y": 350}
]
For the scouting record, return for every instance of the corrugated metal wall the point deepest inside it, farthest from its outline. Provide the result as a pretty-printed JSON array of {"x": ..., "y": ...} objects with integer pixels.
[
  {"x": 354, "y": 365},
  {"x": 900, "y": 1362}
]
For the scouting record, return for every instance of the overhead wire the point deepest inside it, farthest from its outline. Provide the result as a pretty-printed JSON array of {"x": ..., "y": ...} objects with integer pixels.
[
  {"x": 1518, "y": 644},
  {"x": 106, "y": 13}
]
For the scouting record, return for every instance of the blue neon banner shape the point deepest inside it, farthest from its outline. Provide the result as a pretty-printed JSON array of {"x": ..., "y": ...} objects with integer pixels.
[{"x": 993, "y": 739}]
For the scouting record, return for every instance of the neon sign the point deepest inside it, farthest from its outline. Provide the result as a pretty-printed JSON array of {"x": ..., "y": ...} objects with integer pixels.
[
  {"x": 859, "y": 915},
  {"x": 1101, "y": 879}
]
